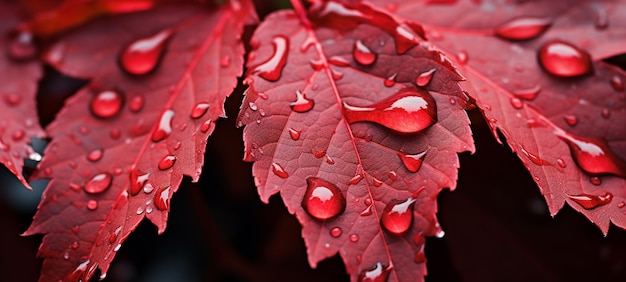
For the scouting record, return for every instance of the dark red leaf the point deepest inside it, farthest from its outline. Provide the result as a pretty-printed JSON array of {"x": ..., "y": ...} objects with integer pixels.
[
  {"x": 536, "y": 71},
  {"x": 336, "y": 123},
  {"x": 122, "y": 144},
  {"x": 19, "y": 72}
]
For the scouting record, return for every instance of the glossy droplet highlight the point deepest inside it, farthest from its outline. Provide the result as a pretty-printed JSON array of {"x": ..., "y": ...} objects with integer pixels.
[
  {"x": 424, "y": 78},
  {"x": 137, "y": 181},
  {"x": 412, "y": 162},
  {"x": 106, "y": 104},
  {"x": 617, "y": 83},
  {"x": 517, "y": 103},
  {"x": 523, "y": 28},
  {"x": 95, "y": 155},
  {"x": 322, "y": 199},
  {"x": 199, "y": 110},
  {"x": 164, "y": 128},
  {"x": 391, "y": 80},
  {"x": 563, "y": 59},
  {"x": 527, "y": 94},
  {"x": 167, "y": 162},
  {"x": 21, "y": 46},
  {"x": 589, "y": 202},
  {"x": 571, "y": 119},
  {"x": 302, "y": 104},
  {"x": 595, "y": 180},
  {"x": 279, "y": 171},
  {"x": 143, "y": 55},
  {"x": 99, "y": 183},
  {"x": 92, "y": 205},
  {"x": 335, "y": 232},
  {"x": 356, "y": 179},
  {"x": 362, "y": 54},
  {"x": 295, "y": 134},
  {"x": 462, "y": 57},
  {"x": 594, "y": 155},
  {"x": 377, "y": 274},
  {"x": 162, "y": 198},
  {"x": 411, "y": 110},
  {"x": 398, "y": 217},
  {"x": 354, "y": 238},
  {"x": 272, "y": 68}
]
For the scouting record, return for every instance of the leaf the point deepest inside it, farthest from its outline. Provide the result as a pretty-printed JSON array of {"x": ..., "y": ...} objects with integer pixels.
[
  {"x": 540, "y": 112},
  {"x": 308, "y": 141},
  {"x": 20, "y": 74},
  {"x": 122, "y": 144}
]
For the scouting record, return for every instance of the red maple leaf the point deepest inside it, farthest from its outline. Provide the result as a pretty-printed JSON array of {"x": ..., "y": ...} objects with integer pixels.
[
  {"x": 20, "y": 73},
  {"x": 121, "y": 145},
  {"x": 536, "y": 71},
  {"x": 357, "y": 122}
]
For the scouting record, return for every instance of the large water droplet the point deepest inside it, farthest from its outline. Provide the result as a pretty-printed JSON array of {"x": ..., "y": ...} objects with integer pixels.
[
  {"x": 563, "y": 59},
  {"x": 106, "y": 104},
  {"x": 199, "y": 110},
  {"x": 412, "y": 162},
  {"x": 279, "y": 171},
  {"x": 591, "y": 201},
  {"x": 167, "y": 162},
  {"x": 162, "y": 198},
  {"x": 410, "y": 110},
  {"x": 594, "y": 155},
  {"x": 143, "y": 55},
  {"x": 273, "y": 67},
  {"x": 523, "y": 28},
  {"x": 322, "y": 199},
  {"x": 398, "y": 217},
  {"x": 362, "y": 54},
  {"x": 165, "y": 126},
  {"x": 302, "y": 104},
  {"x": 99, "y": 183},
  {"x": 424, "y": 78},
  {"x": 377, "y": 274},
  {"x": 137, "y": 181}
]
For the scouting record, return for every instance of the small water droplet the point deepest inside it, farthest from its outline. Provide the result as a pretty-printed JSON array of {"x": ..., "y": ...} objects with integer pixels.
[
  {"x": 115, "y": 133},
  {"x": 137, "y": 181},
  {"x": 561, "y": 163},
  {"x": 398, "y": 216},
  {"x": 206, "y": 126},
  {"x": 527, "y": 94},
  {"x": 316, "y": 65},
  {"x": 335, "y": 232},
  {"x": 21, "y": 46},
  {"x": 95, "y": 155},
  {"x": 12, "y": 99},
  {"x": 225, "y": 61},
  {"x": 617, "y": 83},
  {"x": 295, "y": 134},
  {"x": 117, "y": 248},
  {"x": 148, "y": 188},
  {"x": 322, "y": 199},
  {"x": 136, "y": 103},
  {"x": 75, "y": 245},
  {"x": 162, "y": 198},
  {"x": 377, "y": 274},
  {"x": 412, "y": 162},
  {"x": 594, "y": 155},
  {"x": 329, "y": 160},
  {"x": 139, "y": 210},
  {"x": 106, "y": 104},
  {"x": 279, "y": 171},
  {"x": 367, "y": 211},
  {"x": 302, "y": 104},
  {"x": 410, "y": 110},
  {"x": 18, "y": 135},
  {"x": 143, "y": 55},
  {"x": 589, "y": 202},
  {"x": 532, "y": 157},
  {"x": 66, "y": 256},
  {"x": 99, "y": 183},
  {"x": 392, "y": 175},
  {"x": 517, "y": 103},
  {"x": 167, "y": 162},
  {"x": 523, "y": 28},
  {"x": 356, "y": 179},
  {"x": 199, "y": 110},
  {"x": 272, "y": 68},
  {"x": 563, "y": 59},
  {"x": 354, "y": 238},
  {"x": 621, "y": 205},
  {"x": 424, "y": 78},
  {"x": 572, "y": 120},
  {"x": 391, "y": 80},
  {"x": 362, "y": 54},
  {"x": 92, "y": 205},
  {"x": 462, "y": 57},
  {"x": 533, "y": 122},
  {"x": 165, "y": 126},
  {"x": 595, "y": 180},
  {"x": 606, "y": 113},
  {"x": 376, "y": 182}
]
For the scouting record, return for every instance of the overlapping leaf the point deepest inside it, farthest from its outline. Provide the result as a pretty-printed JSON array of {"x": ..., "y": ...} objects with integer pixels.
[
  {"x": 122, "y": 144},
  {"x": 540, "y": 113},
  {"x": 19, "y": 73},
  {"x": 301, "y": 74}
]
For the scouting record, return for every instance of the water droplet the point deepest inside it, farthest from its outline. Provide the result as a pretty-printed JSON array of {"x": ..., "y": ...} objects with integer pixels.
[
  {"x": 18, "y": 135},
  {"x": 412, "y": 162},
  {"x": 225, "y": 61},
  {"x": 199, "y": 110},
  {"x": 99, "y": 183},
  {"x": 376, "y": 182},
  {"x": 272, "y": 68},
  {"x": 162, "y": 198},
  {"x": 167, "y": 162},
  {"x": 115, "y": 133},
  {"x": 527, "y": 94},
  {"x": 523, "y": 28},
  {"x": 95, "y": 155},
  {"x": 143, "y": 55},
  {"x": 462, "y": 57},
  {"x": 295, "y": 134},
  {"x": 137, "y": 181},
  {"x": 12, "y": 99},
  {"x": 356, "y": 179},
  {"x": 377, "y": 274},
  {"x": 117, "y": 248},
  {"x": 424, "y": 78},
  {"x": 322, "y": 199},
  {"x": 617, "y": 83},
  {"x": 354, "y": 238},
  {"x": 302, "y": 104},
  {"x": 75, "y": 245},
  {"x": 398, "y": 217},
  {"x": 21, "y": 46},
  {"x": 595, "y": 180},
  {"x": 148, "y": 188},
  {"x": 329, "y": 160},
  {"x": 411, "y": 110},
  {"x": 517, "y": 103},
  {"x": 563, "y": 59},
  {"x": 621, "y": 205},
  {"x": 391, "y": 80},
  {"x": 594, "y": 155},
  {"x": 392, "y": 175},
  {"x": 561, "y": 163},
  {"x": 572, "y": 120},
  {"x": 367, "y": 211},
  {"x": 136, "y": 103},
  {"x": 532, "y": 157},
  {"x": 335, "y": 232},
  {"x": 165, "y": 126},
  {"x": 92, "y": 205},
  {"x": 339, "y": 61},
  {"x": 602, "y": 19},
  {"x": 589, "y": 202},
  {"x": 279, "y": 170},
  {"x": 362, "y": 54},
  {"x": 606, "y": 113},
  {"x": 206, "y": 126},
  {"x": 106, "y": 104},
  {"x": 139, "y": 210},
  {"x": 317, "y": 65},
  {"x": 66, "y": 256}
]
